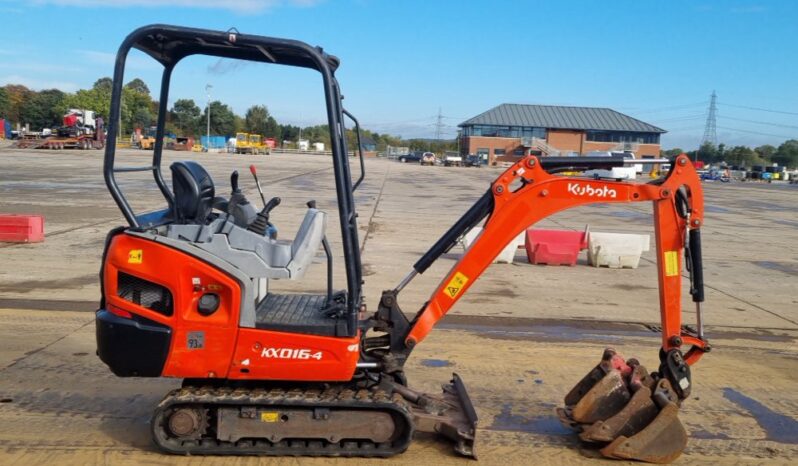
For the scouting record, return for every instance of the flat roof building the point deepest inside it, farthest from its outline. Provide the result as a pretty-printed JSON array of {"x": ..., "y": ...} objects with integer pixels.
[{"x": 510, "y": 131}]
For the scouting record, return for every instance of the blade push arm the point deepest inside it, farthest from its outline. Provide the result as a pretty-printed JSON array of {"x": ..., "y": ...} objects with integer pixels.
[{"x": 526, "y": 194}]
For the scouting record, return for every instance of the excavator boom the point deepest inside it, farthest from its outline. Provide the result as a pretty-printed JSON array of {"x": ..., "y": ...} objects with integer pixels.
[{"x": 618, "y": 399}]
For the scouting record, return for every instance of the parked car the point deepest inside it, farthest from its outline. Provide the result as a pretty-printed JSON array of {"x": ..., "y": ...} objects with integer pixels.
[
  {"x": 427, "y": 158},
  {"x": 472, "y": 160},
  {"x": 452, "y": 159},
  {"x": 627, "y": 172},
  {"x": 411, "y": 157}
]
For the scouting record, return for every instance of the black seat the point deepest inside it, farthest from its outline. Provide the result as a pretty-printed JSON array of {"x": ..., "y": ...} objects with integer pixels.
[{"x": 194, "y": 192}]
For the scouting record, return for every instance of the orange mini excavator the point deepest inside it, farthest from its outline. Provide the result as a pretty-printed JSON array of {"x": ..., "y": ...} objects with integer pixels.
[{"x": 185, "y": 294}]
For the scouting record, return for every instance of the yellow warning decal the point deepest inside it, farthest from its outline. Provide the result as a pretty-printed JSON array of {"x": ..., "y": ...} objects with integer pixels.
[
  {"x": 671, "y": 263},
  {"x": 455, "y": 285},
  {"x": 269, "y": 416},
  {"x": 135, "y": 256}
]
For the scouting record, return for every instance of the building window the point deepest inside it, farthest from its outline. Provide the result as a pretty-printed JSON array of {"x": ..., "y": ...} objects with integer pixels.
[
  {"x": 504, "y": 131},
  {"x": 518, "y": 152},
  {"x": 498, "y": 151},
  {"x": 623, "y": 136}
]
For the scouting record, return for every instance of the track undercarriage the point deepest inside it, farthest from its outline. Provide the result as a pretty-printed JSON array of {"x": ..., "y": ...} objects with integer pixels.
[{"x": 362, "y": 418}]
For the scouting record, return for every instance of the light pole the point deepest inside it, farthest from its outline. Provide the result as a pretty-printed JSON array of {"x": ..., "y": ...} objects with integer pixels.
[{"x": 208, "y": 93}]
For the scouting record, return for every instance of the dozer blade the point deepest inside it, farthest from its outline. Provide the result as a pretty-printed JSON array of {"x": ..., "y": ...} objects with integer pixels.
[
  {"x": 662, "y": 441},
  {"x": 451, "y": 414}
]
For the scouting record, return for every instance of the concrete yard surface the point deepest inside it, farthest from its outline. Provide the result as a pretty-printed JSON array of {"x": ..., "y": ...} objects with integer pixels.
[{"x": 520, "y": 338}]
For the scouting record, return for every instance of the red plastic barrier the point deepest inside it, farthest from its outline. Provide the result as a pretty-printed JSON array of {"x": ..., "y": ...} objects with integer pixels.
[
  {"x": 19, "y": 228},
  {"x": 554, "y": 247}
]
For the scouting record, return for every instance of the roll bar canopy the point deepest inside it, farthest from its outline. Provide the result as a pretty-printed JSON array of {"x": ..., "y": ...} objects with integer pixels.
[{"x": 170, "y": 44}]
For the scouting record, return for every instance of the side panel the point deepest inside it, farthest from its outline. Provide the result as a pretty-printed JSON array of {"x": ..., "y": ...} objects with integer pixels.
[
  {"x": 268, "y": 355},
  {"x": 201, "y": 346}
]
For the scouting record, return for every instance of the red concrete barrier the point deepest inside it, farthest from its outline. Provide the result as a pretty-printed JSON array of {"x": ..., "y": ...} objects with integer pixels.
[
  {"x": 21, "y": 228},
  {"x": 554, "y": 247}
]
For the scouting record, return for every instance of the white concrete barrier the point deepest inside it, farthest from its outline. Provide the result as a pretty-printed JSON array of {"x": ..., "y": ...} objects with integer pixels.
[
  {"x": 508, "y": 253},
  {"x": 616, "y": 250}
]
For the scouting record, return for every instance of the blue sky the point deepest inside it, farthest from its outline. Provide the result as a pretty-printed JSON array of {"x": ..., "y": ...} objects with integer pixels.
[{"x": 402, "y": 61}]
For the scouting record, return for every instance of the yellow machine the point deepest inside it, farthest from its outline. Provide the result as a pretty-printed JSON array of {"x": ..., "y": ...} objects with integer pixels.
[
  {"x": 250, "y": 144},
  {"x": 257, "y": 144},
  {"x": 147, "y": 139}
]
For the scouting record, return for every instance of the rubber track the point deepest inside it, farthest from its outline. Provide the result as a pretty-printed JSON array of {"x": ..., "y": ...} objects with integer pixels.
[{"x": 340, "y": 396}]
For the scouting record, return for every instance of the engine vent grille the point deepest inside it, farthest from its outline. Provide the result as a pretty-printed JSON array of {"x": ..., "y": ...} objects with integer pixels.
[{"x": 145, "y": 293}]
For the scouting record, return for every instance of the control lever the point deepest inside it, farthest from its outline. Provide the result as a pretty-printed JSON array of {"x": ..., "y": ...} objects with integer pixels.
[
  {"x": 255, "y": 175},
  {"x": 234, "y": 182},
  {"x": 262, "y": 225}
]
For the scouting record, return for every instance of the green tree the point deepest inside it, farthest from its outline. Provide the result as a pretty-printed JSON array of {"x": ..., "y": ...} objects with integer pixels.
[
  {"x": 43, "y": 109},
  {"x": 141, "y": 117},
  {"x": 223, "y": 120},
  {"x": 258, "y": 120},
  {"x": 137, "y": 109},
  {"x": 138, "y": 85},
  {"x": 707, "y": 153},
  {"x": 17, "y": 95},
  {"x": 186, "y": 117},
  {"x": 765, "y": 152},
  {"x": 670, "y": 153},
  {"x": 105, "y": 84},
  {"x": 288, "y": 133},
  {"x": 740, "y": 155},
  {"x": 787, "y": 154},
  {"x": 5, "y": 103}
]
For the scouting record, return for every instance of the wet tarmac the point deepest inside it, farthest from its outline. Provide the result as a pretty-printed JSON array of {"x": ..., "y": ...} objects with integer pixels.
[{"x": 520, "y": 338}]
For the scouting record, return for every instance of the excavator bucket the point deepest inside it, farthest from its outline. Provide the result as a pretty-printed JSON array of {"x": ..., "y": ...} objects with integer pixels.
[
  {"x": 662, "y": 441},
  {"x": 621, "y": 406}
]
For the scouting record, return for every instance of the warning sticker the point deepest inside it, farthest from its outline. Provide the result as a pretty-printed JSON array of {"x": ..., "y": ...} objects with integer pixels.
[
  {"x": 135, "y": 256},
  {"x": 671, "y": 263},
  {"x": 455, "y": 285},
  {"x": 269, "y": 416}
]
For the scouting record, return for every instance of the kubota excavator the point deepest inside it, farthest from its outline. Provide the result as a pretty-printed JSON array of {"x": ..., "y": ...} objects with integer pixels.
[{"x": 185, "y": 294}]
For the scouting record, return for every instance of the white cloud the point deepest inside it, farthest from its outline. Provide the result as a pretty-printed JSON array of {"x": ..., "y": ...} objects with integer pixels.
[
  {"x": 109, "y": 59},
  {"x": 238, "y": 6},
  {"x": 39, "y": 84}
]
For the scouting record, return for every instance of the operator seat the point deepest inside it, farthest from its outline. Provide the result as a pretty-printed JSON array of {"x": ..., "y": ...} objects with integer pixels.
[{"x": 194, "y": 192}]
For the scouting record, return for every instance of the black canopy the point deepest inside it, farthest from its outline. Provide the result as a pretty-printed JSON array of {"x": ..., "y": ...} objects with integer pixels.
[{"x": 169, "y": 44}]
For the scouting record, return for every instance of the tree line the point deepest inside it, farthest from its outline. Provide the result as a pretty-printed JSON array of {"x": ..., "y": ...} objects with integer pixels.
[
  {"x": 786, "y": 154},
  {"x": 45, "y": 109}
]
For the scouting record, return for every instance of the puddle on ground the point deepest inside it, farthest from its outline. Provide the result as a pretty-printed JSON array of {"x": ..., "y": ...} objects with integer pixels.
[
  {"x": 715, "y": 209},
  {"x": 790, "y": 268},
  {"x": 546, "y": 425},
  {"x": 778, "y": 427},
  {"x": 706, "y": 435},
  {"x": 436, "y": 363},
  {"x": 542, "y": 333},
  {"x": 629, "y": 214}
]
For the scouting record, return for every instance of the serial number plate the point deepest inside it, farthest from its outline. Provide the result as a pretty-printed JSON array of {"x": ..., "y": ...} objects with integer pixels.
[{"x": 196, "y": 340}]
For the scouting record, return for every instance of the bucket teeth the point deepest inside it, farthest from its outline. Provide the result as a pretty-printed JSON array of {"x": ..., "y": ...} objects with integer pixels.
[
  {"x": 631, "y": 413},
  {"x": 661, "y": 441}
]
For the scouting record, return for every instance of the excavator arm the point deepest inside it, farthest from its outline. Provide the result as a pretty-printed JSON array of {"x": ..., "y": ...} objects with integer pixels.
[
  {"x": 631, "y": 413},
  {"x": 526, "y": 193}
]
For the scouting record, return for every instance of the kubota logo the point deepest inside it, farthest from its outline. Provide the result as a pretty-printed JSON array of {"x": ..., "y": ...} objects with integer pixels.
[{"x": 587, "y": 190}]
